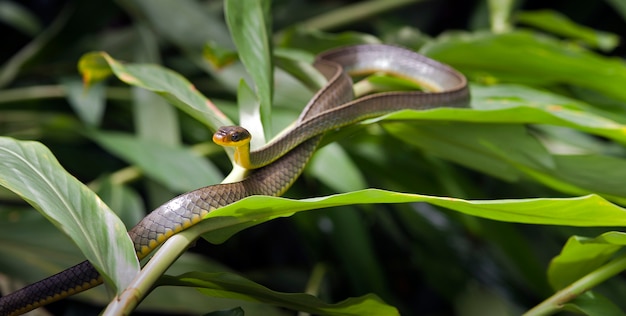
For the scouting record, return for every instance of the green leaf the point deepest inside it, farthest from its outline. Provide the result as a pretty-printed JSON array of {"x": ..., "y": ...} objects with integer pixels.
[
  {"x": 581, "y": 255},
  {"x": 593, "y": 304},
  {"x": 619, "y": 6},
  {"x": 124, "y": 200},
  {"x": 517, "y": 104},
  {"x": 559, "y": 24},
  {"x": 250, "y": 28},
  {"x": 332, "y": 165},
  {"x": 30, "y": 257},
  {"x": 316, "y": 41},
  {"x": 586, "y": 211},
  {"x": 536, "y": 59},
  {"x": 500, "y": 14},
  {"x": 14, "y": 14},
  {"x": 219, "y": 57},
  {"x": 249, "y": 115},
  {"x": 173, "y": 87},
  {"x": 495, "y": 149},
  {"x": 30, "y": 170},
  {"x": 87, "y": 103},
  {"x": 177, "y": 167},
  {"x": 238, "y": 311},
  {"x": 235, "y": 287}
]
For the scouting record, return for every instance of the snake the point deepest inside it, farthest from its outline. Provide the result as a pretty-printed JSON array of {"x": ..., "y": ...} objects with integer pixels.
[{"x": 276, "y": 165}]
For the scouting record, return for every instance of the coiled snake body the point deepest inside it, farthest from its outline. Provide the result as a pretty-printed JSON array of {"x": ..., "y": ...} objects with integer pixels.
[{"x": 278, "y": 164}]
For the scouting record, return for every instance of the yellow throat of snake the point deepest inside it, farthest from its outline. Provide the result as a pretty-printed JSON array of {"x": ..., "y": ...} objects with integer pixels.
[{"x": 239, "y": 138}]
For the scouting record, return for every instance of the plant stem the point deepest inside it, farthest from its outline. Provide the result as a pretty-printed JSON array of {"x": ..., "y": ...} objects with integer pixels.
[
  {"x": 126, "y": 302},
  {"x": 560, "y": 298}
]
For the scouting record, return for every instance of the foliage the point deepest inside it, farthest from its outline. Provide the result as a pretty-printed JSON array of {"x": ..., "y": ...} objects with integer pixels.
[{"x": 448, "y": 232}]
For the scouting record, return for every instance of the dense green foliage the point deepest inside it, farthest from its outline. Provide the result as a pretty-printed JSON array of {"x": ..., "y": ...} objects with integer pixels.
[{"x": 512, "y": 205}]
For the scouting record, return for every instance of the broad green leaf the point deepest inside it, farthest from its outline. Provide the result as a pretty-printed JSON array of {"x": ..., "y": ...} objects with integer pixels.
[
  {"x": 559, "y": 24},
  {"x": 30, "y": 170},
  {"x": 587, "y": 211},
  {"x": 232, "y": 286},
  {"x": 170, "y": 85},
  {"x": 88, "y": 103},
  {"x": 495, "y": 149},
  {"x": 581, "y": 255},
  {"x": 536, "y": 60},
  {"x": 177, "y": 167},
  {"x": 250, "y": 28}
]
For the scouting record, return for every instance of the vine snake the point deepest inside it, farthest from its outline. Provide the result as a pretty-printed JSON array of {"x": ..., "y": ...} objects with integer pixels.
[{"x": 277, "y": 164}]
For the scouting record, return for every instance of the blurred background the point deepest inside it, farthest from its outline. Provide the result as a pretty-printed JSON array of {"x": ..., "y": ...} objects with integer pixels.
[{"x": 422, "y": 259}]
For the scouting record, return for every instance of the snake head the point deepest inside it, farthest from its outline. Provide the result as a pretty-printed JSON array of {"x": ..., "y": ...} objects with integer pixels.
[{"x": 232, "y": 136}]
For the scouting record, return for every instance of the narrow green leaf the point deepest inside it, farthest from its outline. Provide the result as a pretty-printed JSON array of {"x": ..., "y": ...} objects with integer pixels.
[
  {"x": 14, "y": 14},
  {"x": 250, "y": 27},
  {"x": 587, "y": 211},
  {"x": 235, "y": 287},
  {"x": 351, "y": 13},
  {"x": 315, "y": 41},
  {"x": 30, "y": 170},
  {"x": 560, "y": 24},
  {"x": 619, "y": 6},
  {"x": 500, "y": 15},
  {"x": 170, "y": 85},
  {"x": 177, "y": 167},
  {"x": 581, "y": 255},
  {"x": 11, "y": 67}
]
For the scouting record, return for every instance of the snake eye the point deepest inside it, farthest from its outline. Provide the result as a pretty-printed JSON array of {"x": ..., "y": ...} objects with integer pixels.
[{"x": 235, "y": 136}]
